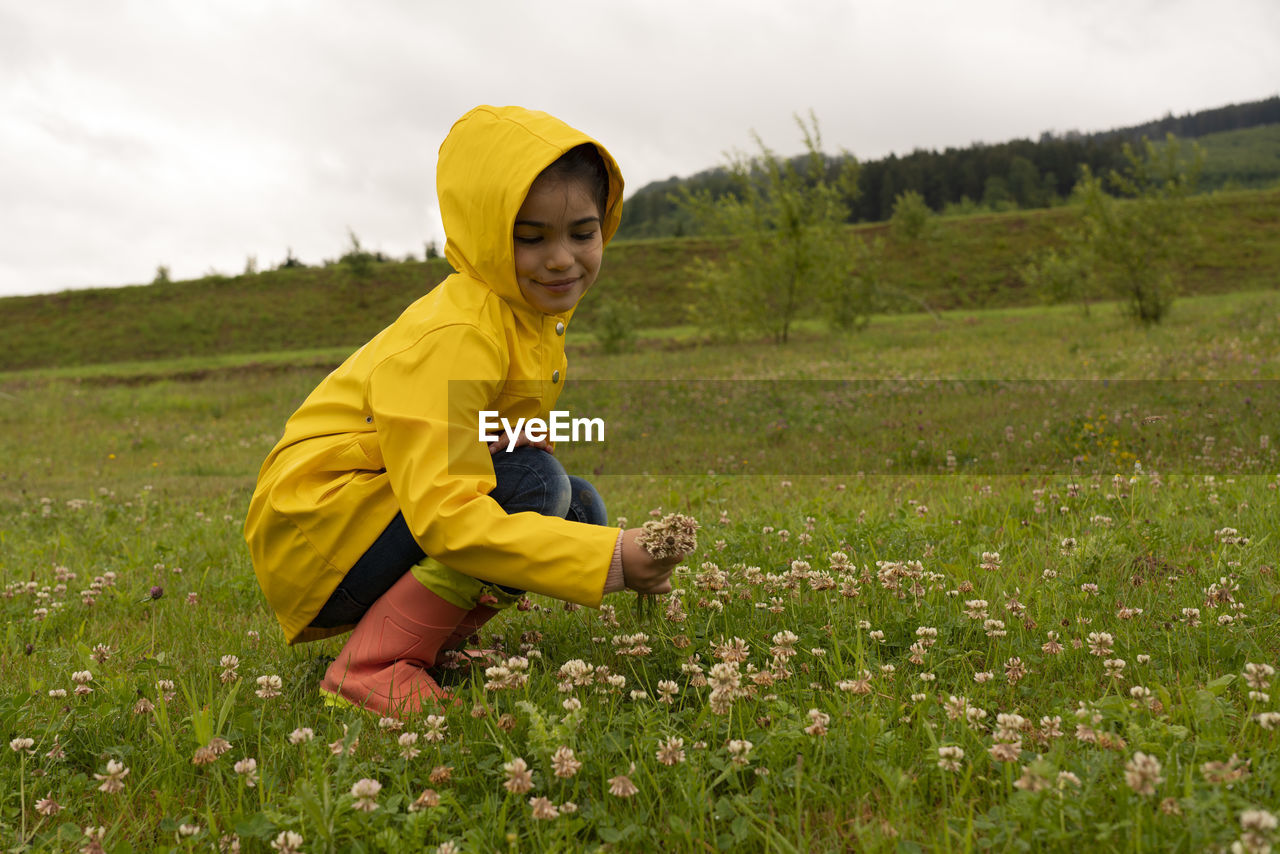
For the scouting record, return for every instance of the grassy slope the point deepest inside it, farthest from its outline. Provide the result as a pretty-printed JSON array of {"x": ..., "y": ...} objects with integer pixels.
[
  {"x": 973, "y": 263},
  {"x": 1248, "y": 157}
]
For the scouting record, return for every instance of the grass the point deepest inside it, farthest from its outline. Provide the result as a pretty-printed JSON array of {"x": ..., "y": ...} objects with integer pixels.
[{"x": 942, "y": 625}]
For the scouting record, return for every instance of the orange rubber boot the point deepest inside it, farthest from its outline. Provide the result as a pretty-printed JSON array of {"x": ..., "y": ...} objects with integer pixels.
[{"x": 383, "y": 666}]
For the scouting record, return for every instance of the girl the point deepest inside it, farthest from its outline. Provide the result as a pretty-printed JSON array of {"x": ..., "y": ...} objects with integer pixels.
[{"x": 380, "y": 508}]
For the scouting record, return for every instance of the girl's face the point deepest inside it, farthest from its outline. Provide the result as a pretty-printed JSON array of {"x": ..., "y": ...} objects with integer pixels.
[{"x": 558, "y": 245}]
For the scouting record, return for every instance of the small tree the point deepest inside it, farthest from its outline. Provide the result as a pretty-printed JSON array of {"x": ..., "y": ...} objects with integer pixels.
[
  {"x": 1126, "y": 243},
  {"x": 912, "y": 219},
  {"x": 790, "y": 252}
]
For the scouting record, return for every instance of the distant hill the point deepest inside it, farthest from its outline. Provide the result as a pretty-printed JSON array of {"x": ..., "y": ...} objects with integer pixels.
[
  {"x": 973, "y": 262},
  {"x": 1019, "y": 174}
]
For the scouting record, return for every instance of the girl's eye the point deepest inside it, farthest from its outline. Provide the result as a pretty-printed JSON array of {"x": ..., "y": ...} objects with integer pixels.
[
  {"x": 589, "y": 235},
  {"x": 527, "y": 241}
]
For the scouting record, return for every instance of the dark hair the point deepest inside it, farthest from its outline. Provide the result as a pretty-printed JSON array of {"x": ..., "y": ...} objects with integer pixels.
[{"x": 583, "y": 163}]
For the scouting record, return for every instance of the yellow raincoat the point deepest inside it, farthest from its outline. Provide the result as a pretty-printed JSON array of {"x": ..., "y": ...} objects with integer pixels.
[{"x": 395, "y": 428}]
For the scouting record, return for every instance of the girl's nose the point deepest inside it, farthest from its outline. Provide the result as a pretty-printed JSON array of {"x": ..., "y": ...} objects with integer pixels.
[{"x": 559, "y": 256}]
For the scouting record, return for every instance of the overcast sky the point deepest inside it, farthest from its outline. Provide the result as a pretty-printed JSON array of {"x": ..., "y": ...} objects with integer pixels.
[{"x": 197, "y": 134}]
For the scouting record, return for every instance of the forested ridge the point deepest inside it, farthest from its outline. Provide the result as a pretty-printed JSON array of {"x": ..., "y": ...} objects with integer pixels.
[{"x": 1018, "y": 174}]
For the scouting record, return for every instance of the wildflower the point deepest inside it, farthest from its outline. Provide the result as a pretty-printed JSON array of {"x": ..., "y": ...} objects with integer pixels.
[
  {"x": 248, "y": 768},
  {"x": 861, "y": 685},
  {"x": 543, "y": 809},
  {"x": 1051, "y": 646},
  {"x": 100, "y": 654},
  {"x": 1066, "y": 778},
  {"x": 671, "y": 751},
  {"x": 674, "y": 535},
  {"x": 48, "y": 806},
  {"x": 429, "y": 798},
  {"x": 740, "y": 751},
  {"x": 1256, "y": 827},
  {"x": 18, "y": 745},
  {"x": 976, "y": 609},
  {"x": 667, "y": 691},
  {"x": 1031, "y": 780},
  {"x": 155, "y": 592},
  {"x": 1269, "y": 720},
  {"x": 165, "y": 688},
  {"x": 288, "y": 842},
  {"x": 1142, "y": 773},
  {"x": 564, "y": 763},
  {"x": 1225, "y": 772},
  {"x": 819, "y": 721},
  {"x": 568, "y": 807},
  {"x": 269, "y": 686},
  {"x": 408, "y": 745},
  {"x": 301, "y": 735},
  {"x": 219, "y": 745},
  {"x": 437, "y": 726},
  {"x": 1051, "y": 727},
  {"x": 621, "y": 786},
  {"x": 1100, "y": 643},
  {"x": 188, "y": 829},
  {"x": 113, "y": 780},
  {"x": 1014, "y": 670},
  {"x": 441, "y": 774},
  {"x": 339, "y": 747},
  {"x": 949, "y": 757},
  {"x": 58, "y": 693},
  {"x": 204, "y": 755},
  {"x": 733, "y": 651},
  {"x": 519, "y": 777},
  {"x": 93, "y": 840},
  {"x": 1114, "y": 667},
  {"x": 1003, "y": 752},
  {"x": 1258, "y": 676},
  {"x": 1009, "y": 727},
  {"x": 983, "y": 676},
  {"x": 365, "y": 791}
]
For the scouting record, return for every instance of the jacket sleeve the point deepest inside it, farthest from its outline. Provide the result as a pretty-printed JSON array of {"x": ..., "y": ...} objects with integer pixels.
[{"x": 425, "y": 402}]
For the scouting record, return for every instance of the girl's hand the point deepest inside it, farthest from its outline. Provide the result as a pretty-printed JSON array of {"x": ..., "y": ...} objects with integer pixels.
[
  {"x": 521, "y": 439},
  {"x": 642, "y": 573}
]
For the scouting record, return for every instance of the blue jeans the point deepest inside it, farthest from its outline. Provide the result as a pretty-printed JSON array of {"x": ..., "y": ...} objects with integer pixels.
[{"x": 528, "y": 479}]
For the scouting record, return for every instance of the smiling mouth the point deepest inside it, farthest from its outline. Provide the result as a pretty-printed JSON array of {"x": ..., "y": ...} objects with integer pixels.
[{"x": 559, "y": 286}]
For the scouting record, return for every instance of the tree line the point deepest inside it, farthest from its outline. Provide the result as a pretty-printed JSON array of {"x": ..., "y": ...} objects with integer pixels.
[{"x": 1012, "y": 175}]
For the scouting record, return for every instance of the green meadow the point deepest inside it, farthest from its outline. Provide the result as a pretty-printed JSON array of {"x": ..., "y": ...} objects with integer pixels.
[{"x": 1017, "y": 611}]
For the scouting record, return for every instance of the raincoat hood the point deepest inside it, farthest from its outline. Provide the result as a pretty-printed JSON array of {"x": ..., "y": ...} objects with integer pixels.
[{"x": 487, "y": 164}]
